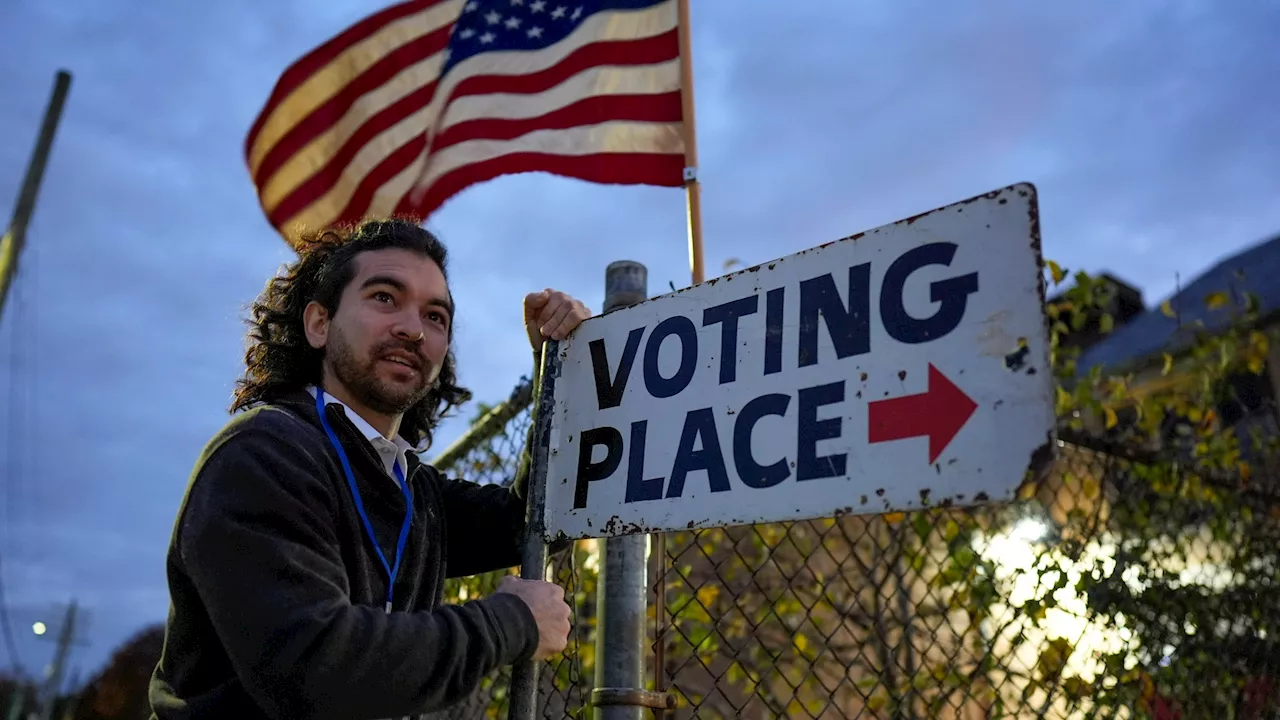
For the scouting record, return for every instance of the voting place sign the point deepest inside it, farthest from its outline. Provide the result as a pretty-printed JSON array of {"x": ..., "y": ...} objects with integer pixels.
[{"x": 904, "y": 367}]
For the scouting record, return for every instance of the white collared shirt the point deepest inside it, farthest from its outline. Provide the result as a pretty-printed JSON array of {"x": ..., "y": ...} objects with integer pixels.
[{"x": 392, "y": 452}]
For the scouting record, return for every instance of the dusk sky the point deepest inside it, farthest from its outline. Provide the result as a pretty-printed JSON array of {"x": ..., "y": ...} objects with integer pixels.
[{"x": 1150, "y": 127}]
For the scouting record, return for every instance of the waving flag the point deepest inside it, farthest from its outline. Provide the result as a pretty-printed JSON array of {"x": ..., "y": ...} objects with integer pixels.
[{"x": 413, "y": 104}]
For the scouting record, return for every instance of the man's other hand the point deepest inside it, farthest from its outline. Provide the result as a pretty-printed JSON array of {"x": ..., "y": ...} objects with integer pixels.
[
  {"x": 551, "y": 314},
  {"x": 546, "y": 601}
]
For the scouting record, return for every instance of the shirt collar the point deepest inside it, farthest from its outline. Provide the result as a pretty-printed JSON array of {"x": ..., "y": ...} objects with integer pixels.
[{"x": 367, "y": 430}]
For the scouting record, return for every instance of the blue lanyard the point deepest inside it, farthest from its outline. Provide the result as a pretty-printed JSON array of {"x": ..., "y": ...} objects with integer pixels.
[{"x": 393, "y": 570}]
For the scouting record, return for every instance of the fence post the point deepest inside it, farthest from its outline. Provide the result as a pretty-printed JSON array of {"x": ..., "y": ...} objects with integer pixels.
[
  {"x": 622, "y": 590},
  {"x": 533, "y": 557}
]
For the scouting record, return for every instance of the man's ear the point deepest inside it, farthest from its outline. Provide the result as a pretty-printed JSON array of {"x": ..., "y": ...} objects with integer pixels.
[{"x": 315, "y": 322}]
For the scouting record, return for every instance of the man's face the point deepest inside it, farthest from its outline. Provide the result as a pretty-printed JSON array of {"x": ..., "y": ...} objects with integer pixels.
[{"x": 391, "y": 332}]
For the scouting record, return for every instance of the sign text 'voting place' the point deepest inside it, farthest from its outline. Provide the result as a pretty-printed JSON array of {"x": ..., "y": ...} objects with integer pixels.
[{"x": 900, "y": 368}]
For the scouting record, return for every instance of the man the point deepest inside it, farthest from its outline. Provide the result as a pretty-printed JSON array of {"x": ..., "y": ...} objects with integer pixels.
[{"x": 281, "y": 605}]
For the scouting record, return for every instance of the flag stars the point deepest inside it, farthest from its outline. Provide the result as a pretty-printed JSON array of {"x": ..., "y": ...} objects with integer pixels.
[{"x": 512, "y": 19}]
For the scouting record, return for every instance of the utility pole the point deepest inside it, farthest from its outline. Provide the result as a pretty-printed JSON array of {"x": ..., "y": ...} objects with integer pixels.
[
  {"x": 17, "y": 702},
  {"x": 16, "y": 236},
  {"x": 69, "y": 711},
  {"x": 66, "y": 637}
]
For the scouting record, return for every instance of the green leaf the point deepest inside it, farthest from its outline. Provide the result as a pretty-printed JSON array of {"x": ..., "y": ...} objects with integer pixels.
[
  {"x": 1078, "y": 318},
  {"x": 922, "y": 525},
  {"x": 1252, "y": 303},
  {"x": 1053, "y": 658}
]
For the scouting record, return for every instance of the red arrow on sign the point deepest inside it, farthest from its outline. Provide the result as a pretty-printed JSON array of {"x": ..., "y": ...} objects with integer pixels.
[{"x": 938, "y": 413}]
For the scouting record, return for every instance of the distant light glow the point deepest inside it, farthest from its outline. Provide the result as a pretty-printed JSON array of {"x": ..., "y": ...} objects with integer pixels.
[
  {"x": 39, "y": 628},
  {"x": 1029, "y": 530}
]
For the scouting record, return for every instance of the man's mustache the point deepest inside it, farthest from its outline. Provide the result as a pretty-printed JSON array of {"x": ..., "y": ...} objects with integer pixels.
[{"x": 420, "y": 361}]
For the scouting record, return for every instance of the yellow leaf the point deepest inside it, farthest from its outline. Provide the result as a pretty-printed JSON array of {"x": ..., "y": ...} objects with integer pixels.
[
  {"x": 1112, "y": 420},
  {"x": 1064, "y": 397},
  {"x": 876, "y": 703},
  {"x": 1259, "y": 340},
  {"x": 1056, "y": 272},
  {"x": 1167, "y": 308},
  {"x": 1106, "y": 323},
  {"x": 950, "y": 529},
  {"x": 800, "y": 641},
  {"x": 1216, "y": 300},
  {"x": 1168, "y": 364},
  {"x": 707, "y": 594},
  {"x": 1090, "y": 488},
  {"x": 894, "y": 518}
]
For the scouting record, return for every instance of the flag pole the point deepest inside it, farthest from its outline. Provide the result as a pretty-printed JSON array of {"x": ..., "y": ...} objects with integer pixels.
[
  {"x": 693, "y": 198},
  {"x": 692, "y": 189}
]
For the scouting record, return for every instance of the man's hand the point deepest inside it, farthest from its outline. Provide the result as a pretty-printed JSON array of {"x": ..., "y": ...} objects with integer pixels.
[
  {"x": 551, "y": 314},
  {"x": 546, "y": 601}
]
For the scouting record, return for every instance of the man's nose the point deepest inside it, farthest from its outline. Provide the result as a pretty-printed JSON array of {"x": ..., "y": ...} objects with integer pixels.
[{"x": 409, "y": 328}]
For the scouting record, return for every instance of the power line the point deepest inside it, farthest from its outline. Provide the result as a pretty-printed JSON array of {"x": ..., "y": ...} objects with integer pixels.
[
  {"x": 11, "y": 247},
  {"x": 15, "y": 449}
]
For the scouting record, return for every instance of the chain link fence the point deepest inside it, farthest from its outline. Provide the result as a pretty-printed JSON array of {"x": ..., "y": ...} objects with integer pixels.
[
  {"x": 1122, "y": 583},
  {"x": 1115, "y": 587},
  {"x": 490, "y": 453}
]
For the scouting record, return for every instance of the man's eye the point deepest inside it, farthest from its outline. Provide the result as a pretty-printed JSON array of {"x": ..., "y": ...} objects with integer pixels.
[
  {"x": 436, "y": 316},
  {"x": 381, "y": 296}
]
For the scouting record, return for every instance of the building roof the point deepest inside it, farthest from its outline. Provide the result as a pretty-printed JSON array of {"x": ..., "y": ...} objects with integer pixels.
[{"x": 1256, "y": 271}]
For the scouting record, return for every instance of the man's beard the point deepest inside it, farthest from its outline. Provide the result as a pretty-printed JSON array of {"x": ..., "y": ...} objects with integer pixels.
[{"x": 360, "y": 377}]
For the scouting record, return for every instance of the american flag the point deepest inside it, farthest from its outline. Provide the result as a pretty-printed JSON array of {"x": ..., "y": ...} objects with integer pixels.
[{"x": 413, "y": 104}]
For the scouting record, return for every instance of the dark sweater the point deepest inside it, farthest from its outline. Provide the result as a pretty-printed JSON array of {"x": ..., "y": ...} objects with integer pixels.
[{"x": 277, "y": 597}]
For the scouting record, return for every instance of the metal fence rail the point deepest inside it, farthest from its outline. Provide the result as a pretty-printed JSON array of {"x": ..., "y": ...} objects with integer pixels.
[{"x": 1116, "y": 587}]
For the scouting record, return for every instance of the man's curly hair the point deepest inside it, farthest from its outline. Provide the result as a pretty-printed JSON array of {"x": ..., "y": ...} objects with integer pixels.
[{"x": 279, "y": 361}]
